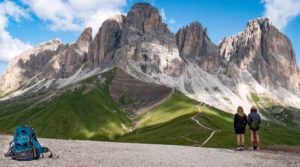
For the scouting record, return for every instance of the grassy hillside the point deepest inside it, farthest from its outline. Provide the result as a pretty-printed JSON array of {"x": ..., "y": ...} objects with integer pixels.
[
  {"x": 171, "y": 123},
  {"x": 87, "y": 111}
]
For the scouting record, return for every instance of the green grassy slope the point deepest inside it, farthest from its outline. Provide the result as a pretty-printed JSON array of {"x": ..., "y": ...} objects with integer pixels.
[
  {"x": 87, "y": 112},
  {"x": 169, "y": 122}
]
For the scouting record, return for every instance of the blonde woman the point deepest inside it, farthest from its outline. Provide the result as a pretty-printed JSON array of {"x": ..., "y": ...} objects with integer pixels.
[{"x": 240, "y": 122}]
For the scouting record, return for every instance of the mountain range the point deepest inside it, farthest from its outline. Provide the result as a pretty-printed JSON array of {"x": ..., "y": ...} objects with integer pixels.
[{"x": 150, "y": 64}]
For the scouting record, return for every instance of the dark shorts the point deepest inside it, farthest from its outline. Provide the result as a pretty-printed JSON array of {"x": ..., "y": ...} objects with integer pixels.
[
  {"x": 239, "y": 130},
  {"x": 254, "y": 129}
]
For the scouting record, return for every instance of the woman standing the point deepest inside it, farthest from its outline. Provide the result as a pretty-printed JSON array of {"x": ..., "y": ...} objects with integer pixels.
[
  {"x": 240, "y": 122},
  {"x": 254, "y": 122}
]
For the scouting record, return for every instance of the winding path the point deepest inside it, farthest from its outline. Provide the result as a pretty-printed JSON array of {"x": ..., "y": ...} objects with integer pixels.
[{"x": 212, "y": 133}]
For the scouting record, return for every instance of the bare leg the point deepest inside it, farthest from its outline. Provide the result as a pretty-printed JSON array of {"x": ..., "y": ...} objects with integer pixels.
[
  {"x": 238, "y": 141},
  {"x": 242, "y": 139},
  {"x": 257, "y": 138},
  {"x": 252, "y": 137}
]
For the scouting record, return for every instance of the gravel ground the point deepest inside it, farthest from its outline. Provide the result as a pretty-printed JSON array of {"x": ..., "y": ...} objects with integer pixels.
[{"x": 90, "y": 153}]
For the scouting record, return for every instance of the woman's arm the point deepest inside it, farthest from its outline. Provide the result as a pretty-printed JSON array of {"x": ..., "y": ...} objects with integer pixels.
[{"x": 234, "y": 121}]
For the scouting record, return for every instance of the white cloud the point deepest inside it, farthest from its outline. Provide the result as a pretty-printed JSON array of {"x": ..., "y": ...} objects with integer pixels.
[
  {"x": 75, "y": 14},
  {"x": 281, "y": 11},
  {"x": 96, "y": 20},
  {"x": 9, "y": 46}
]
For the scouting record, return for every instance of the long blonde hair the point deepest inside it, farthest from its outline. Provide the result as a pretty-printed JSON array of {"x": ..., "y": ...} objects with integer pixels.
[{"x": 240, "y": 111}]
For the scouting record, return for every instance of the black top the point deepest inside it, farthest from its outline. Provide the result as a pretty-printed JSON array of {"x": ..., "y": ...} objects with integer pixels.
[{"x": 240, "y": 122}]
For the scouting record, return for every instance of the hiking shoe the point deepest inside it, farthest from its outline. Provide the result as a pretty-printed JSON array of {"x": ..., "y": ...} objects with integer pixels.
[
  {"x": 242, "y": 148},
  {"x": 257, "y": 148},
  {"x": 238, "y": 148}
]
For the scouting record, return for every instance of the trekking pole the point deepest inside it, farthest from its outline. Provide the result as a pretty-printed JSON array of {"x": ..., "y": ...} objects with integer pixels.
[
  {"x": 9, "y": 150},
  {"x": 51, "y": 155},
  {"x": 46, "y": 149}
]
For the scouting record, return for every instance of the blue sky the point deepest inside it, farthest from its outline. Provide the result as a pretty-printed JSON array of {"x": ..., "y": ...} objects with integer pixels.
[{"x": 25, "y": 23}]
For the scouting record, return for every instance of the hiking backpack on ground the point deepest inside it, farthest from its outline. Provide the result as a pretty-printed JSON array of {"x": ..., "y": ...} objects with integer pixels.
[{"x": 25, "y": 146}]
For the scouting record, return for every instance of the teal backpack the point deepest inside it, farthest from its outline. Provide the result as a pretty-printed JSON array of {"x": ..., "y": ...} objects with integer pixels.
[
  {"x": 254, "y": 121},
  {"x": 25, "y": 146}
]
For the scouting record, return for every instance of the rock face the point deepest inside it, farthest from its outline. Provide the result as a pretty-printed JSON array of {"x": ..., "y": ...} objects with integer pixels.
[
  {"x": 265, "y": 52},
  {"x": 143, "y": 46},
  {"x": 28, "y": 64},
  {"x": 50, "y": 60},
  {"x": 136, "y": 95},
  {"x": 140, "y": 38},
  {"x": 195, "y": 45},
  {"x": 145, "y": 18},
  {"x": 147, "y": 42},
  {"x": 106, "y": 42},
  {"x": 70, "y": 58}
]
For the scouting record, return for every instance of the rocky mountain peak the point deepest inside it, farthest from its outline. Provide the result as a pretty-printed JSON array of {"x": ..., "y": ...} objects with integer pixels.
[
  {"x": 48, "y": 46},
  {"x": 50, "y": 43},
  {"x": 28, "y": 64},
  {"x": 86, "y": 36},
  {"x": 188, "y": 38},
  {"x": 118, "y": 19},
  {"x": 147, "y": 43},
  {"x": 141, "y": 38},
  {"x": 196, "y": 25},
  {"x": 142, "y": 45},
  {"x": 195, "y": 45},
  {"x": 145, "y": 18},
  {"x": 106, "y": 42},
  {"x": 265, "y": 52},
  {"x": 262, "y": 23},
  {"x": 83, "y": 42}
]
